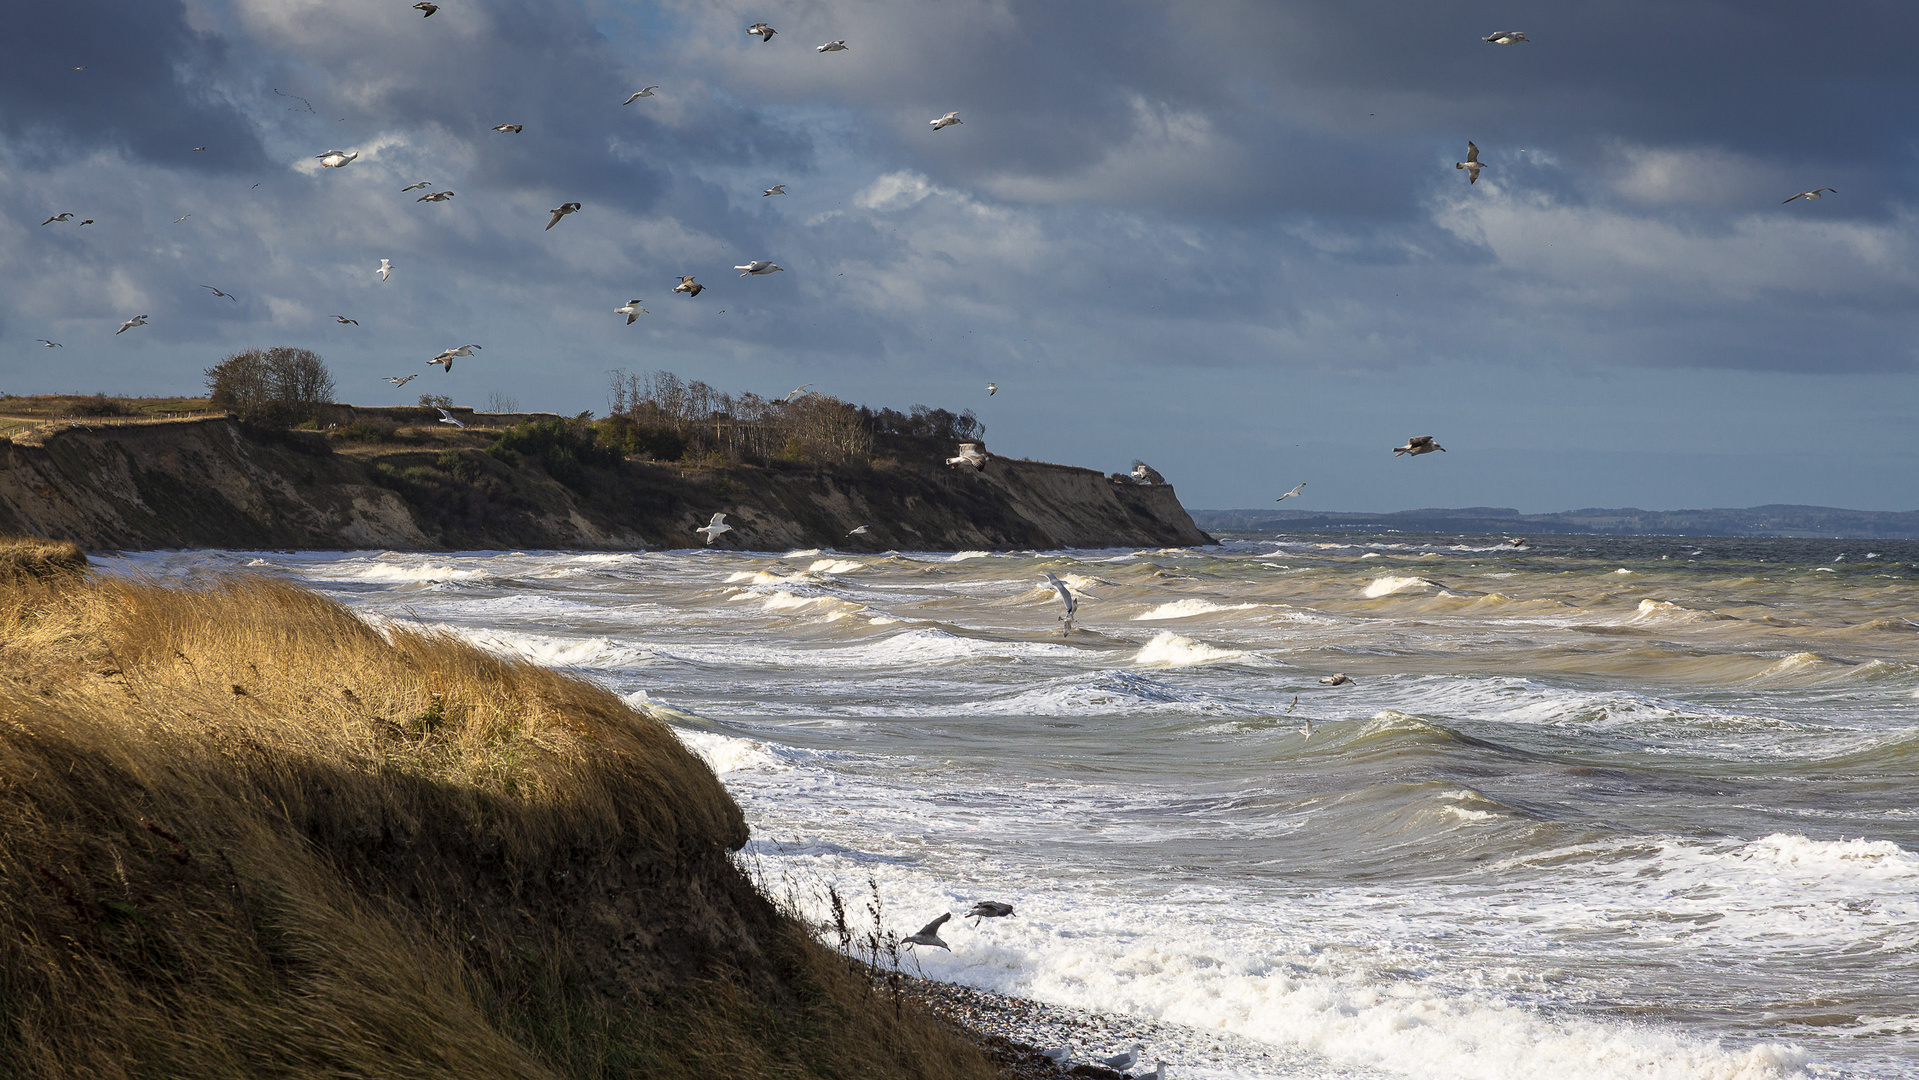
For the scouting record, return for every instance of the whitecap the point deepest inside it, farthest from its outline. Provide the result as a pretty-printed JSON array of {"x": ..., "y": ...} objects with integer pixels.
[
  {"x": 1186, "y": 609},
  {"x": 1168, "y": 649},
  {"x": 1387, "y": 586}
]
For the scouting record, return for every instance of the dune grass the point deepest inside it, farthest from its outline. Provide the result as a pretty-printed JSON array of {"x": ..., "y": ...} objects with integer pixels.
[{"x": 245, "y": 834}]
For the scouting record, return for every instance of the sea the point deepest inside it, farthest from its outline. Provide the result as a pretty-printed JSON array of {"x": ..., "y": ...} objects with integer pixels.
[{"x": 1588, "y": 807}]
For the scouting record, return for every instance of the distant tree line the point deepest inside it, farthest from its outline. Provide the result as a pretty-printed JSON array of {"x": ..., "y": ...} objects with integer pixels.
[{"x": 282, "y": 386}]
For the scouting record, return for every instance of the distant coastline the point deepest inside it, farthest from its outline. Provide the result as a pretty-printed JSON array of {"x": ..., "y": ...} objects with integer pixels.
[{"x": 1775, "y": 520}]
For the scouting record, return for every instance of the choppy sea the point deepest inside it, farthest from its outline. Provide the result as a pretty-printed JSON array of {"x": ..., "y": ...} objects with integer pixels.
[{"x": 1641, "y": 807}]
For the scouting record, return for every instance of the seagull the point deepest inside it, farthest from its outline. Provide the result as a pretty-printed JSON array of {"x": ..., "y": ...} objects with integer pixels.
[
  {"x": 217, "y": 292},
  {"x": 688, "y": 286},
  {"x": 426, "y": 8},
  {"x": 1472, "y": 163},
  {"x": 1146, "y": 474},
  {"x": 1417, "y": 445},
  {"x": 1058, "y": 1055},
  {"x": 929, "y": 934},
  {"x": 758, "y": 266},
  {"x": 1066, "y": 597},
  {"x": 1307, "y": 731},
  {"x": 989, "y": 909},
  {"x": 648, "y": 92},
  {"x": 992, "y": 388},
  {"x": 505, "y": 128},
  {"x": 561, "y": 211},
  {"x": 762, "y": 31},
  {"x": 1289, "y": 494},
  {"x": 68, "y": 216},
  {"x": 57, "y": 345},
  {"x": 632, "y": 311},
  {"x": 832, "y": 46},
  {"x": 1341, "y": 679},
  {"x": 88, "y": 221},
  {"x": 137, "y": 320},
  {"x": 197, "y": 149},
  {"x": 446, "y": 358},
  {"x": 344, "y": 321},
  {"x": 416, "y": 187},
  {"x": 1507, "y": 37},
  {"x": 714, "y": 528},
  {"x": 1125, "y": 1061},
  {"x": 776, "y": 189},
  {"x": 447, "y": 418},
  {"x": 385, "y": 269},
  {"x": 336, "y": 159},
  {"x": 181, "y": 218},
  {"x": 945, "y": 121},
  {"x": 1815, "y": 193},
  {"x": 969, "y": 454},
  {"x": 795, "y": 392},
  {"x": 1158, "y": 1073},
  {"x": 861, "y": 531},
  {"x": 435, "y": 196},
  {"x": 401, "y": 380},
  {"x": 1293, "y": 705}
]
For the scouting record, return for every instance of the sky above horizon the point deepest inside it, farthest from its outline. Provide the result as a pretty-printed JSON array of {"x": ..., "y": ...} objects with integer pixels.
[{"x": 1226, "y": 238}]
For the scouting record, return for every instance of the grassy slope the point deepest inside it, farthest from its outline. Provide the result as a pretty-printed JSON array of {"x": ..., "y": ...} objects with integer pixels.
[{"x": 244, "y": 834}]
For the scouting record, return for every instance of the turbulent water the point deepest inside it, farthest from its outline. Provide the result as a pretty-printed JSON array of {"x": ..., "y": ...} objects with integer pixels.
[{"x": 1590, "y": 808}]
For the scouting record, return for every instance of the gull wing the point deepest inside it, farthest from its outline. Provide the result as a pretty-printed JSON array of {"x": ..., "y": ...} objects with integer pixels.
[
  {"x": 932, "y": 929},
  {"x": 718, "y": 519}
]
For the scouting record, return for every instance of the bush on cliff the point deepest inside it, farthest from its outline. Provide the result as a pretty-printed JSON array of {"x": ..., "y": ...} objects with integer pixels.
[
  {"x": 280, "y": 386},
  {"x": 564, "y": 448},
  {"x": 245, "y": 834}
]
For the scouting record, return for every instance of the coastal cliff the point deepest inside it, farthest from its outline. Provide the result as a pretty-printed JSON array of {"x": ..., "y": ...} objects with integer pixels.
[{"x": 216, "y": 482}]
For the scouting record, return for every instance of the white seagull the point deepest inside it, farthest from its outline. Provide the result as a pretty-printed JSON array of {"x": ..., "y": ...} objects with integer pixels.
[
  {"x": 969, "y": 454},
  {"x": 1125, "y": 1061},
  {"x": 1472, "y": 163},
  {"x": 1289, "y": 494},
  {"x": 648, "y": 92},
  {"x": 445, "y": 359},
  {"x": 1146, "y": 474},
  {"x": 762, "y": 31},
  {"x": 68, "y": 216},
  {"x": 776, "y": 189},
  {"x": 946, "y": 121},
  {"x": 561, "y": 211},
  {"x": 385, "y": 270},
  {"x": 688, "y": 286},
  {"x": 50, "y": 344},
  {"x": 505, "y": 129},
  {"x": 1341, "y": 679},
  {"x": 137, "y": 320},
  {"x": 992, "y": 388},
  {"x": 435, "y": 196},
  {"x": 344, "y": 321},
  {"x": 447, "y": 418},
  {"x": 1417, "y": 445},
  {"x": 416, "y": 187},
  {"x": 929, "y": 934},
  {"x": 1066, "y": 597},
  {"x": 401, "y": 380},
  {"x": 861, "y": 531},
  {"x": 1815, "y": 193},
  {"x": 1058, "y": 1055},
  {"x": 714, "y": 528},
  {"x": 795, "y": 392},
  {"x": 217, "y": 292},
  {"x": 832, "y": 46},
  {"x": 758, "y": 266},
  {"x": 1507, "y": 37},
  {"x": 336, "y": 159},
  {"x": 632, "y": 311}
]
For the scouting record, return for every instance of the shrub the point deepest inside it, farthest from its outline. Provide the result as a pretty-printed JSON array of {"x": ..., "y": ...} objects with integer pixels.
[
  {"x": 564, "y": 448},
  {"x": 281, "y": 386}
]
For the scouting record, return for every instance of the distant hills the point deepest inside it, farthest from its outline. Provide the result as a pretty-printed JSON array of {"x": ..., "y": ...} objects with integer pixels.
[{"x": 1772, "y": 520}]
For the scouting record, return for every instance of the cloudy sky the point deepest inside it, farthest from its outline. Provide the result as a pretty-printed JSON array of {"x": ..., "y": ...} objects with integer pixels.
[{"x": 1224, "y": 237}]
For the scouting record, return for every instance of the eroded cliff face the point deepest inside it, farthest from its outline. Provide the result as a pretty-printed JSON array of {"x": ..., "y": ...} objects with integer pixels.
[{"x": 216, "y": 483}]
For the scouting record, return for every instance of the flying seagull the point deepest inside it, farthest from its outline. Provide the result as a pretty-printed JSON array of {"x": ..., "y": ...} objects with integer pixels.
[
  {"x": 416, "y": 187},
  {"x": 648, "y": 92},
  {"x": 861, "y": 531},
  {"x": 1125, "y": 1061},
  {"x": 1472, "y": 163},
  {"x": 447, "y": 418},
  {"x": 88, "y": 221},
  {"x": 181, "y": 218},
  {"x": 1066, "y": 597},
  {"x": 137, "y": 320},
  {"x": 776, "y": 189},
  {"x": 1507, "y": 37},
  {"x": 1417, "y": 445},
  {"x": 992, "y": 388},
  {"x": 197, "y": 149},
  {"x": 386, "y": 268},
  {"x": 946, "y": 121},
  {"x": 68, "y": 216},
  {"x": 217, "y": 292},
  {"x": 688, "y": 286},
  {"x": 336, "y": 159},
  {"x": 1294, "y": 704},
  {"x": 832, "y": 46},
  {"x": 344, "y": 321},
  {"x": 1341, "y": 679},
  {"x": 1815, "y": 193},
  {"x": 506, "y": 128},
  {"x": 929, "y": 934},
  {"x": 632, "y": 311},
  {"x": 989, "y": 909},
  {"x": 969, "y": 454},
  {"x": 1306, "y": 732},
  {"x": 1146, "y": 474},
  {"x": 762, "y": 31},
  {"x": 446, "y": 358},
  {"x": 758, "y": 266},
  {"x": 714, "y": 528},
  {"x": 561, "y": 211},
  {"x": 57, "y": 345},
  {"x": 1289, "y": 494},
  {"x": 401, "y": 380},
  {"x": 426, "y": 9},
  {"x": 435, "y": 196},
  {"x": 795, "y": 392}
]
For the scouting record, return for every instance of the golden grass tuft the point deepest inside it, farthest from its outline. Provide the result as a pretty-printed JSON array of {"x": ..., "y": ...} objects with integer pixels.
[
  {"x": 243, "y": 833},
  {"x": 29, "y": 557}
]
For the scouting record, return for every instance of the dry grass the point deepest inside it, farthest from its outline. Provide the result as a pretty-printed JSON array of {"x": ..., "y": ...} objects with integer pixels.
[
  {"x": 245, "y": 834},
  {"x": 33, "y": 559}
]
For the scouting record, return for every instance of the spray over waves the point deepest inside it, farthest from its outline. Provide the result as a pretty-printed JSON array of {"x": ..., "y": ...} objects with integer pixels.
[{"x": 1167, "y": 649}]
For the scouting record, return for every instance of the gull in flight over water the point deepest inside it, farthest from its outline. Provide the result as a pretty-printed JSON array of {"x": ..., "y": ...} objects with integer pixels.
[
  {"x": 435, "y": 196},
  {"x": 181, "y": 218},
  {"x": 1815, "y": 193},
  {"x": 989, "y": 909},
  {"x": 688, "y": 286},
  {"x": 648, "y": 92},
  {"x": 1472, "y": 163},
  {"x": 759, "y": 266},
  {"x": 416, "y": 187},
  {"x": 992, "y": 388},
  {"x": 632, "y": 311},
  {"x": 929, "y": 934},
  {"x": 561, "y": 211},
  {"x": 1341, "y": 679},
  {"x": 1293, "y": 705},
  {"x": 1507, "y": 37},
  {"x": 336, "y": 159},
  {"x": 447, "y": 418},
  {"x": 776, "y": 189},
  {"x": 446, "y": 358},
  {"x": 1289, "y": 494},
  {"x": 385, "y": 270},
  {"x": 795, "y": 392},
  {"x": 57, "y": 345},
  {"x": 714, "y": 528},
  {"x": 861, "y": 531},
  {"x": 762, "y": 31},
  {"x": 401, "y": 380},
  {"x": 68, "y": 216},
  {"x": 1066, "y": 597},
  {"x": 217, "y": 292},
  {"x": 137, "y": 320},
  {"x": 1417, "y": 445},
  {"x": 1307, "y": 731},
  {"x": 504, "y": 129},
  {"x": 344, "y": 321},
  {"x": 969, "y": 454},
  {"x": 946, "y": 121},
  {"x": 832, "y": 46}
]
